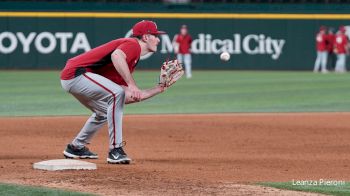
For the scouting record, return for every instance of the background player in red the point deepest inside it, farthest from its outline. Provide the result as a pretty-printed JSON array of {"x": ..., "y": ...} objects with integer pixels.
[
  {"x": 182, "y": 47},
  {"x": 322, "y": 53},
  {"x": 341, "y": 50},
  {"x": 101, "y": 79},
  {"x": 331, "y": 59}
]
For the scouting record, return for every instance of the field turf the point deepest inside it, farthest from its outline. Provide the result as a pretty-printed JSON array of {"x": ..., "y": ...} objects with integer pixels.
[
  {"x": 337, "y": 190},
  {"x": 30, "y": 93},
  {"x": 19, "y": 190}
]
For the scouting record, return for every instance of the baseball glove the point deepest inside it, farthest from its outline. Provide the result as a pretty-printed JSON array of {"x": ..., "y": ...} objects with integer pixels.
[{"x": 170, "y": 72}]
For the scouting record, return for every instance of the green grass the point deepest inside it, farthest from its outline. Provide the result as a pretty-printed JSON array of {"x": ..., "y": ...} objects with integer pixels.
[
  {"x": 20, "y": 190},
  {"x": 337, "y": 190},
  {"x": 28, "y": 93}
]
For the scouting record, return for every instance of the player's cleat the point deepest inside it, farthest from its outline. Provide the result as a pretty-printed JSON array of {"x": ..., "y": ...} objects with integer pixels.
[
  {"x": 118, "y": 156},
  {"x": 72, "y": 152}
]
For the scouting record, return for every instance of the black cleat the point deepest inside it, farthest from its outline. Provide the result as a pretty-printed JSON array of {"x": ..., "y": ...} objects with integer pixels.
[
  {"x": 118, "y": 156},
  {"x": 72, "y": 152}
]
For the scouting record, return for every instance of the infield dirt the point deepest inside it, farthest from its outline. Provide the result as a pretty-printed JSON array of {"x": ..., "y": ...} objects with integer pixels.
[{"x": 213, "y": 154}]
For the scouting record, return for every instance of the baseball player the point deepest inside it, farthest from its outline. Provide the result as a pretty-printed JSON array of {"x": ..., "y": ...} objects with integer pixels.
[
  {"x": 182, "y": 45},
  {"x": 341, "y": 50},
  {"x": 101, "y": 79},
  {"x": 321, "y": 47},
  {"x": 330, "y": 49}
]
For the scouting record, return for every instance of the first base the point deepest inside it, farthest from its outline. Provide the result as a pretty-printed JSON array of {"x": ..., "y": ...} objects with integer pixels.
[{"x": 64, "y": 164}]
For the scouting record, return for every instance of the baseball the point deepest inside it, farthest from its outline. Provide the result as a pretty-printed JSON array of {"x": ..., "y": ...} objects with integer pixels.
[{"x": 225, "y": 56}]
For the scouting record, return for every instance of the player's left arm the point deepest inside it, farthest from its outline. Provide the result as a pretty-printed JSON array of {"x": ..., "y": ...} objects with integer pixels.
[
  {"x": 170, "y": 72},
  {"x": 145, "y": 94}
]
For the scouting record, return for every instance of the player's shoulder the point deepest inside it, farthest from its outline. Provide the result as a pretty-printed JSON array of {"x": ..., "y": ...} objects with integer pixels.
[
  {"x": 130, "y": 46},
  {"x": 127, "y": 43},
  {"x": 127, "y": 40}
]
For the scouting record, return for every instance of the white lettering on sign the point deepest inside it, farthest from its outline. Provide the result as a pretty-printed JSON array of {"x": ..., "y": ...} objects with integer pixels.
[
  {"x": 12, "y": 42},
  {"x": 39, "y": 42},
  {"x": 252, "y": 44},
  {"x": 80, "y": 43},
  {"x": 63, "y": 37},
  {"x": 26, "y": 41},
  {"x": 44, "y": 42}
]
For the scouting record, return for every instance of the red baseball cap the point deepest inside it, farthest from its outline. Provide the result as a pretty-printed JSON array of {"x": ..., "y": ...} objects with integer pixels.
[{"x": 146, "y": 27}]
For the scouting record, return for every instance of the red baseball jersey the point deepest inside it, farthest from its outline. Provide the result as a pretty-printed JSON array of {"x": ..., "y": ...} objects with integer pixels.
[
  {"x": 330, "y": 42},
  {"x": 184, "y": 42},
  {"x": 321, "y": 44},
  {"x": 341, "y": 42},
  {"x": 98, "y": 60}
]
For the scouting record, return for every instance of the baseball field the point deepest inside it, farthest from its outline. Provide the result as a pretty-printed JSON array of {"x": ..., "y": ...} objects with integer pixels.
[{"x": 219, "y": 133}]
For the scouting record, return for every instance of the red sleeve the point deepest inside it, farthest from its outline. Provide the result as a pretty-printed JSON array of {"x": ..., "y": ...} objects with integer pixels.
[
  {"x": 190, "y": 39},
  {"x": 129, "y": 49}
]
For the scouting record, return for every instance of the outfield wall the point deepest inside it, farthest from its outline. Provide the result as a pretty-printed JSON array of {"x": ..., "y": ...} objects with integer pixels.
[{"x": 257, "y": 41}]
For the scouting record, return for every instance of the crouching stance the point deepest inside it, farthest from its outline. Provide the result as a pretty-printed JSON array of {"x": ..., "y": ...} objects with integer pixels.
[{"x": 101, "y": 79}]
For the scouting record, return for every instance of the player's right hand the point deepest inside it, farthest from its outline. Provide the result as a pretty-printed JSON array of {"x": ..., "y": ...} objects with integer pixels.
[{"x": 135, "y": 92}]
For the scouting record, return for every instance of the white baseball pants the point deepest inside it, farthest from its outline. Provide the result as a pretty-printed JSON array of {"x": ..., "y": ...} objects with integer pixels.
[
  {"x": 105, "y": 99},
  {"x": 340, "y": 66},
  {"x": 321, "y": 61},
  {"x": 186, "y": 59}
]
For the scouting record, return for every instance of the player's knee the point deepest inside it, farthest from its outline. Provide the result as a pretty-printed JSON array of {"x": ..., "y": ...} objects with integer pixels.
[
  {"x": 122, "y": 96},
  {"x": 122, "y": 92},
  {"x": 118, "y": 93}
]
